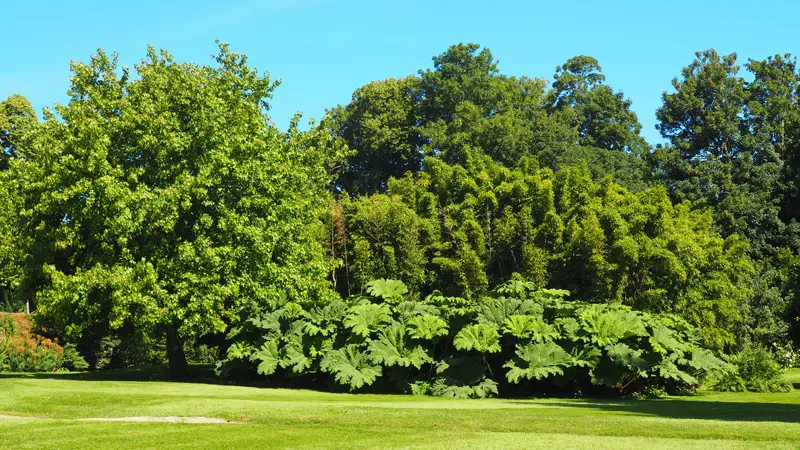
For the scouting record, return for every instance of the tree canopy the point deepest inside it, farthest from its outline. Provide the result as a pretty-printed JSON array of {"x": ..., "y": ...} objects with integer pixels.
[
  {"x": 456, "y": 206},
  {"x": 169, "y": 199}
]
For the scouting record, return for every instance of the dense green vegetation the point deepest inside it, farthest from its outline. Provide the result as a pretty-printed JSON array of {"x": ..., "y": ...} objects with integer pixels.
[
  {"x": 451, "y": 347},
  {"x": 278, "y": 418},
  {"x": 457, "y": 232}
]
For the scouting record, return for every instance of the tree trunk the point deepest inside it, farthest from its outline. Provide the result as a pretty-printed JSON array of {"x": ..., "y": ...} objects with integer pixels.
[{"x": 177, "y": 358}]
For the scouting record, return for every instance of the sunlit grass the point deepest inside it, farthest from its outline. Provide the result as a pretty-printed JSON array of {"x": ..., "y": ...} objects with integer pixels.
[{"x": 310, "y": 419}]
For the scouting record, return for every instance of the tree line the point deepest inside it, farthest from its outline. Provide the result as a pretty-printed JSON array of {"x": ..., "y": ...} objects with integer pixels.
[{"x": 161, "y": 206}]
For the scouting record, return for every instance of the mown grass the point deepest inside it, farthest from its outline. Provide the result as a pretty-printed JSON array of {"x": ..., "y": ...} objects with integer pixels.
[{"x": 309, "y": 419}]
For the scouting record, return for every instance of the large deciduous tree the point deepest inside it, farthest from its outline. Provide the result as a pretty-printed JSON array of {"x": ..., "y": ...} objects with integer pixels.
[
  {"x": 168, "y": 200},
  {"x": 464, "y": 107},
  {"x": 17, "y": 119},
  {"x": 733, "y": 146}
]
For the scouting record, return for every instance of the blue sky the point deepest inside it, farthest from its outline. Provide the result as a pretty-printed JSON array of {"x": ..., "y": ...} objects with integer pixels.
[{"x": 325, "y": 49}]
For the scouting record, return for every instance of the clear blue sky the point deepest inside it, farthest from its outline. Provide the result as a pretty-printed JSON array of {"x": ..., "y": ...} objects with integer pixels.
[{"x": 324, "y": 49}]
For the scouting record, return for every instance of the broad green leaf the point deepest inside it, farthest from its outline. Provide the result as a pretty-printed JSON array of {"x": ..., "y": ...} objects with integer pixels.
[
  {"x": 391, "y": 349},
  {"x": 427, "y": 327},
  {"x": 537, "y": 361},
  {"x": 367, "y": 318},
  {"x": 407, "y": 310},
  {"x": 606, "y": 325},
  {"x": 240, "y": 350},
  {"x": 389, "y": 290},
  {"x": 523, "y": 327},
  {"x": 269, "y": 358},
  {"x": 668, "y": 369},
  {"x": 448, "y": 388},
  {"x": 664, "y": 340},
  {"x": 350, "y": 366},
  {"x": 482, "y": 338},
  {"x": 296, "y": 356},
  {"x": 495, "y": 311},
  {"x": 627, "y": 357}
]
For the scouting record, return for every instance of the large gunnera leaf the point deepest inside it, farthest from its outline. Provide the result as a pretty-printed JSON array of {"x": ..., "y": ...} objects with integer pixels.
[
  {"x": 350, "y": 366},
  {"x": 495, "y": 311},
  {"x": 606, "y": 325},
  {"x": 367, "y": 318},
  {"x": 391, "y": 291},
  {"x": 537, "y": 361},
  {"x": 482, "y": 338},
  {"x": 524, "y": 326},
  {"x": 448, "y": 388},
  {"x": 392, "y": 349},
  {"x": 427, "y": 327},
  {"x": 268, "y": 358}
]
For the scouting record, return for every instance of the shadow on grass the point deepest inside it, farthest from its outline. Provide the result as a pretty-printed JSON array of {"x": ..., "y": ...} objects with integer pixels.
[
  {"x": 702, "y": 410},
  {"x": 673, "y": 408},
  {"x": 197, "y": 373}
]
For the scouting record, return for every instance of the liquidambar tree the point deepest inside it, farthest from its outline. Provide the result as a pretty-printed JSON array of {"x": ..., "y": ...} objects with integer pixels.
[{"x": 168, "y": 201}]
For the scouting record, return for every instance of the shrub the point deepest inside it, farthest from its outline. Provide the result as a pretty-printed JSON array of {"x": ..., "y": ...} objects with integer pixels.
[
  {"x": 517, "y": 340},
  {"x": 30, "y": 354},
  {"x": 21, "y": 350},
  {"x": 13, "y": 324},
  {"x": 786, "y": 356},
  {"x": 73, "y": 359},
  {"x": 756, "y": 370}
]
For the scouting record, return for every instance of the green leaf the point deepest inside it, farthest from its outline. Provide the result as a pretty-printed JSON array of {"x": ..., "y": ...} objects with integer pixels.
[
  {"x": 367, "y": 318},
  {"x": 391, "y": 349},
  {"x": 390, "y": 290},
  {"x": 537, "y": 361},
  {"x": 269, "y": 322},
  {"x": 627, "y": 357},
  {"x": 608, "y": 324},
  {"x": 268, "y": 356},
  {"x": 407, "y": 310},
  {"x": 668, "y": 369},
  {"x": 524, "y": 327},
  {"x": 569, "y": 328},
  {"x": 519, "y": 326},
  {"x": 427, "y": 326},
  {"x": 448, "y": 388},
  {"x": 704, "y": 361},
  {"x": 665, "y": 340},
  {"x": 240, "y": 350},
  {"x": 324, "y": 321},
  {"x": 296, "y": 356},
  {"x": 585, "y": 356},
  {"x": 482, "y": 338},
  {"x": 350, "y": 366},
  {"x": 495, "y": 311}
]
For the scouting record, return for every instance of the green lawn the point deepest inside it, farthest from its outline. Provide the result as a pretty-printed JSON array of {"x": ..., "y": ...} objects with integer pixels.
[{"x": 307, "y": 419}]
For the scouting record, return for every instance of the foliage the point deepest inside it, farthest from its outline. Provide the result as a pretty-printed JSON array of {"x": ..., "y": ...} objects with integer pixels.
[
  {"x": 786, "y": 356},
  {"x": 366, "y": 343},
  {"x": 23, "y": 350},
  {"x": 465, "y": 106},
  {"x": 756, "y": 370},
  {"x": 464, "y": 230},
  {"x": 166, "y": 199},
  {"x": 734, "y": 146},
  {"x": 22, "y": 353},
  {"x": 160, "y": 206}
]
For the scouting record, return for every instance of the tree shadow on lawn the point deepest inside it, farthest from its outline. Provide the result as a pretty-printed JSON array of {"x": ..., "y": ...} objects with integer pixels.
[
  {"x": 673, "y": 408},
  {"x": 197, "y": 373},
  {"x": 702, "y": 410}
]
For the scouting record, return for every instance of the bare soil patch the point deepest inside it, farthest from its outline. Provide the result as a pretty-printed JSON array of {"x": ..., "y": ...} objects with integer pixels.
[{"x": 169, "y": 419}]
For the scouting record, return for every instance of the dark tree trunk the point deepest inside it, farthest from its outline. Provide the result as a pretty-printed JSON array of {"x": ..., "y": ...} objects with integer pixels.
[{"x": 177, "y": 358}]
